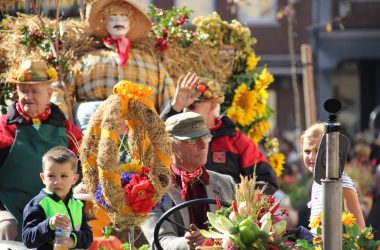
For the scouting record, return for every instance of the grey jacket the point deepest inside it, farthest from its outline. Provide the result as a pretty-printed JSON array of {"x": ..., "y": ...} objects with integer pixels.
[{"x": 171, "y": 236}]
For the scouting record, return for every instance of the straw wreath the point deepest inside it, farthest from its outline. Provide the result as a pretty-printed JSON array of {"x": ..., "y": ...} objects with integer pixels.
[{"x": 148, "y": 145}]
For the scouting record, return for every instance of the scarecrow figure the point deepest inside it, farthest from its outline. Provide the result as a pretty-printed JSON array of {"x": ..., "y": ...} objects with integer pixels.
[{"x": 118, "y": 23}]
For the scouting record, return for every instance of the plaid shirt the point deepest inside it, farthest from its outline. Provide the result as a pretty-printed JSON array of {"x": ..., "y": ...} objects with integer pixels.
[{"x": 95, "y": 75}]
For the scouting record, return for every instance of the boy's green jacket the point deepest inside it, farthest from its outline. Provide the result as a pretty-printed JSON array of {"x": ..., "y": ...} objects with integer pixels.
[{"x": 38, "y": 233}]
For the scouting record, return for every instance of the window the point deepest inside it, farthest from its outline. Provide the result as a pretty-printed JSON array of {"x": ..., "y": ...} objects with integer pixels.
[
  {"x": 199, "y": 7},
  {"x": 257, "y": 12},
  {"x": 143, "y": 4}
]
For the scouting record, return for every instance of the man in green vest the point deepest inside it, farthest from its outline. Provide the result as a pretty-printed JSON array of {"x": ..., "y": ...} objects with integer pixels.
[{"x": 30, "y": 128}]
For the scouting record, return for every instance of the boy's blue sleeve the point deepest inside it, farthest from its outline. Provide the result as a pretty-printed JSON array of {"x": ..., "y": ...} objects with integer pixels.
[
  {"x": 84, "y": 234},
  {"x": 35, "y": 228}
]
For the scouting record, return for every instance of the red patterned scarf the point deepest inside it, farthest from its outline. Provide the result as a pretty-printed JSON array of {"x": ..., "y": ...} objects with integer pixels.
[
  {"x": 184, "y": 178},
  {"x": 35, "y": 120},
  {"x": 121, "y": 45}
]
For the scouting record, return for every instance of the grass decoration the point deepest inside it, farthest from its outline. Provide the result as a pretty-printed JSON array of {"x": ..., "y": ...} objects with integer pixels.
[{"x": 148, "y": 147}]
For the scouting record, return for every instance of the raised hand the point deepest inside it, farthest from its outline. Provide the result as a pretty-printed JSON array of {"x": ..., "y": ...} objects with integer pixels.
[{"x": 186, "y": 92}]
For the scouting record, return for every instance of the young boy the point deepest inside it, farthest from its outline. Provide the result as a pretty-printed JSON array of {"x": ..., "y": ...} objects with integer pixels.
[{"x": 55, "y": 206}]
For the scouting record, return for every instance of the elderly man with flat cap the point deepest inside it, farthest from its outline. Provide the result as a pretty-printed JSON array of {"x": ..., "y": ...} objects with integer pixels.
[
  {"x": 230, "y": 152},
  {"x": 189, "y": 180},
  {"x": 30, "y": 128}
]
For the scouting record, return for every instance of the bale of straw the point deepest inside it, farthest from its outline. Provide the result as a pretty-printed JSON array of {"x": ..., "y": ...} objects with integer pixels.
[{"x": 77, "y": 42}]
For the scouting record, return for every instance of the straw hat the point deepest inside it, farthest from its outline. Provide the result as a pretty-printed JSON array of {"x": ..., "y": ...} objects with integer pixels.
[
  {"x": 140, "y": 28},
  {"x": 210, "y": 90},
  {"x": 33, "y": 72}
]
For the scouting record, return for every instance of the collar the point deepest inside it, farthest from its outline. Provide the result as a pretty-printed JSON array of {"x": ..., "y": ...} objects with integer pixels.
[
  {"x": 121, "y": 47},
  {"x": 55, "y": 118},
  {"x": 224, "y": 127},
  {"x": 183, "y": 178},
  {"x": 56, "y": 197},
  {"x": 35, "y": 120}
]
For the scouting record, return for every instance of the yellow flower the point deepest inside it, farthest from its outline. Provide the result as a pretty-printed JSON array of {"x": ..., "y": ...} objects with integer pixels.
[
  {"x": 369, "y": 236},
  {"x": 318, "y": 248},
  {"x": 132, "y": 167},
  {"x": 348, "y": 219},
  {"x": 277, "y": 161},
  {"x": 252, "y": 61},
  {"x": 316, "y": 222},
  {"x": 52, "y": 73},
  {"x": 264, "y": 80},
  {"x": 242, "y": 110},
  {"x": 257, "y": 132},
  {"x": 346, "y": 236},
  {"x": 317, "y": 240},
  {"x": 127, "y": 89}
]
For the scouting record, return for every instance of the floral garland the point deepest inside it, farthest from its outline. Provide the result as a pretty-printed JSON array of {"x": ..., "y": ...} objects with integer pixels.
[
  {"x": 126, "y": 177},
  {"x": 246, "y": 91}
]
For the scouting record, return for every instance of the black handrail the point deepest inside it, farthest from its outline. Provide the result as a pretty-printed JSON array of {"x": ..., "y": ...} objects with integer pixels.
[{"x": 179, "y": 206}]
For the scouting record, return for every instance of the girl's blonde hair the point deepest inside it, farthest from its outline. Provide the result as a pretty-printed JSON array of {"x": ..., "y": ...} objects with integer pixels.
[{"x": 315, "y": 131}]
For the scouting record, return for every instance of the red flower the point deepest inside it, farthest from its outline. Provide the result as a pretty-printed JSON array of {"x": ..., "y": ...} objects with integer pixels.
[
  {"x": 139, "y": 193},
  {"x": 258, "y": 197},
  {"x": 181, "y": 20},
  {"x": 162, "y": 44}
]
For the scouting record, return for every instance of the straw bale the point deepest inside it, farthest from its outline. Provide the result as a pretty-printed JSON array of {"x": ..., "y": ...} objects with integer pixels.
[{"x": 77, "y": 42}]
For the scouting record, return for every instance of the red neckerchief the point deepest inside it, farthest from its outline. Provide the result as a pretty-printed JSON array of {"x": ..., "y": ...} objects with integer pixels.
[
  {"x": 121, "y": 45},
  {"x": 35, "y": 120},
  {"x": 184, "y": 178},
  {"x": 218, "y": 124}
]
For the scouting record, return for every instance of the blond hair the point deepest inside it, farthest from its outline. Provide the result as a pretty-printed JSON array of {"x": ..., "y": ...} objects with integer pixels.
[
  {"x": 60, "y": 155},
  {"x": 315, "y": 131}
]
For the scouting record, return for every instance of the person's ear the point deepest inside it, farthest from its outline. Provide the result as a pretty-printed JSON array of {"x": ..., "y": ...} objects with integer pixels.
[
  {"x": 213, "y": 106},
  {"x": 76, "y": 178},
  {"x": 42, "y": 176},
  {"x": 50, "y": 91}
]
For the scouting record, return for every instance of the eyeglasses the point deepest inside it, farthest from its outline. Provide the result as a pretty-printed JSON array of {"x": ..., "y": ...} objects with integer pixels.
[{"x": 206, "y": 139}]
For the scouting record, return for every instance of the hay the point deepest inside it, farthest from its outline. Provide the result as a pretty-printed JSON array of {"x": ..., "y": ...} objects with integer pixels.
[
  {"x": 216, "y": 62},
  {"x": 146, "y": 125}
]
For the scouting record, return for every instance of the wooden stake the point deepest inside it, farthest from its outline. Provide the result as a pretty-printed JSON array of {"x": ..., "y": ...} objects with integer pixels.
[{"x": 308, "y": 84}]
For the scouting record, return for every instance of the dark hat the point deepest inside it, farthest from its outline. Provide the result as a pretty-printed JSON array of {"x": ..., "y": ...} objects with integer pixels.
[{"x": 186, "y": 126}]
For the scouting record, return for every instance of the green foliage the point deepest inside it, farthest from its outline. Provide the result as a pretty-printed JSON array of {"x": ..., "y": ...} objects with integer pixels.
[
  {"x": 168, "y": 26},
  {"x": 298, "y": 192},
  {"x": 6, "y": 96},
  {"x": 35, "y": 38},
  {"x": 127, "y": 246}
]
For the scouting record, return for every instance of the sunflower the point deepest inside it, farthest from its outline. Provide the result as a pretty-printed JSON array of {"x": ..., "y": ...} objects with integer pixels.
[
  {"x": 260, "y": 109},
  {"x": 317, "y": 240},
  {"x": 277, "y": 160},
  {"x": 264, "y": 80},
  {"x": 348, "y": 219},
  {"x": 257, "y": 132},
  {"x": 369, "y": 236},
  {"x": 346, "y": 236},
  {"x": 252, "y": 61},
  {"x": 316, "y": 222},
  {"x": 242, "y": 110}
]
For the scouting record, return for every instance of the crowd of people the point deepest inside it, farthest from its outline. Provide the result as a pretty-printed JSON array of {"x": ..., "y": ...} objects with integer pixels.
[{"x": 38, "y": 145}]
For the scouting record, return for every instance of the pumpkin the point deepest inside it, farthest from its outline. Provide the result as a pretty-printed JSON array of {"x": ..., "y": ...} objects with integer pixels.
[{"x": 106, "y": 242}]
